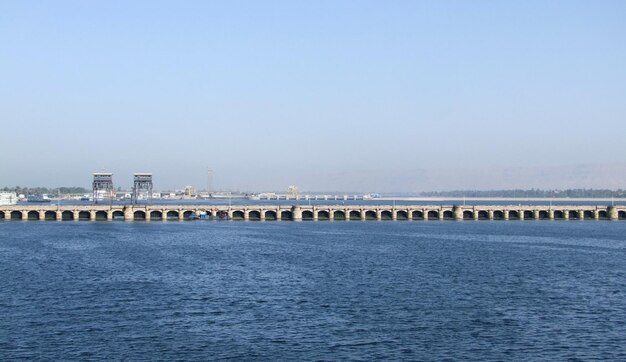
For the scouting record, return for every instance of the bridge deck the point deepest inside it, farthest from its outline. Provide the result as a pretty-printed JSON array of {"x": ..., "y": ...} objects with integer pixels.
[{"x": 312, "y": 212}]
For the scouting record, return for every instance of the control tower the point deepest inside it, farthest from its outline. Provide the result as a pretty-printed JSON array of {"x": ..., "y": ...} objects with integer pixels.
[
  {"x": 142, "y": 182},
  {"x": 102, "y": 186}
]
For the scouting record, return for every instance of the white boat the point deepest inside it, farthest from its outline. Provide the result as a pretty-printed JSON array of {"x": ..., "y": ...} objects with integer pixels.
[{"x": 8, "y": 198}]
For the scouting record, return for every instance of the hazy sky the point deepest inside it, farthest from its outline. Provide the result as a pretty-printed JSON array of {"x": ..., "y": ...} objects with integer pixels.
[{"x": 372, "y": 96}]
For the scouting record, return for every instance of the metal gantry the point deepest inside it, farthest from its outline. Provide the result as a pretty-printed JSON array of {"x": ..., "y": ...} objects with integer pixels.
[
  {"x": 102, "y": 186},
  {"x": 142, "y": 182}
]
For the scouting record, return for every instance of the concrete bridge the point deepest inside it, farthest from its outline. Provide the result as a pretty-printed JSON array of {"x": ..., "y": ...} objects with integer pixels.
[{"x": 303, "y": 212}]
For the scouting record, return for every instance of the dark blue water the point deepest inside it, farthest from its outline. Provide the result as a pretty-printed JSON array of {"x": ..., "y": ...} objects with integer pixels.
[{"x": 313, "y": 290}]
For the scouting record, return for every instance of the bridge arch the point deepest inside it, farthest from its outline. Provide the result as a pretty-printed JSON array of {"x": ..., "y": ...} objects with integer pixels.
[
  {"x": 498, "y": 215},
  {"x": 433, "y": 215},
  {"x": 448, "y": 215},
  {"x": 603, "y": 215},
  {"x": 254, "y": 215},
  {"x": 355, "y": 215},
  {"x": 468, "y": 215},
  {"x": 483, "y": 215},
  {"x": 16, "y": 215},
  {"x": 544, "y": 215},
  {"x": 67, "y": 215},
  {"x": 172, "y": 215},
  {"x": 238, "y": 215},
  {"x": 386, "y": 215},
  {"x": 101, "y": 215},
  {"x": 621, "y": 215},
  {"x": 573, "y": 215},
  {"x": 307, "y": 215},
  {"x": 187, "y": 214},
  {"x": 118, "y": 215},
  {"x": 529, "y": 215},
  {"x": 2, "y": 215},
  {"x": 513, "y": 215},
  {"x": 286, "y": 215},
  {"x": 139, "y": 215},
  {"x": 371, "y": 215},
  {"x": 270, "y": 215},
  {"x": 417, "y": 215},
  {"x": 156, "y": 215},
  {"x": 402, "y": 215},
  {"x": 323, "y": 215},
  {"x": 559, "y": 215},
  {"x": 339, "y": 215},
  {"x": 33, "y": 215},
  {"x": 588, "y": 215},
  {"x": 50, "y": 215},
  {"x": 84, "y": 215}
]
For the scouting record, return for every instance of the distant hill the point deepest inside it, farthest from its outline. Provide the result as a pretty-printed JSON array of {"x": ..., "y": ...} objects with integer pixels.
[{"x": 571, "y": 193}]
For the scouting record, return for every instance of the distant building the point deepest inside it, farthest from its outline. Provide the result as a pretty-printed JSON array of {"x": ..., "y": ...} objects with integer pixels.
[{"x": 8, "y": 198}]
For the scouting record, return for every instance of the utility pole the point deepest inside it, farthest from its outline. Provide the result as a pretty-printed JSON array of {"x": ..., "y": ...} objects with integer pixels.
[{"x": 209, "y": 181}]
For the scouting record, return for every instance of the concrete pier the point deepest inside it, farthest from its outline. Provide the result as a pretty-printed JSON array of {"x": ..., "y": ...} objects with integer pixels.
[{"x": 314, "y": 213}]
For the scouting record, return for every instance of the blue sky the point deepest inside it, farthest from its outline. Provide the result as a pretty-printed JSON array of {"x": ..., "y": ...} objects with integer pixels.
[{"x": 372, "y": 96}]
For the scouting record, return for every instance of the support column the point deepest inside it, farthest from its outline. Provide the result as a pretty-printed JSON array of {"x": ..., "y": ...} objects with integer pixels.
[
  {"x": 92, "y": 215},
  {"x": 379, "y": 215},
  {"x": 506, "y": 214},
  {"x": 394, "y": 214},
  {"x": 278, "y": 214},
  {"x": 536, "y": 214},
  {"x": 296, "y": 211},
  {"x": 24, "y": 214},
  {"x": 148, "y": 218},
  {"x": 362, "y": 212},
  {"x": 613, "y": 214},
  {"x": 128, "y": 213},
  {"x": 331, "y": 214},
  {"x": 565, "y": 214},
  {"x": 458, "y": 212},
  {"x": 551, "y": 214},
  {"x": 262, "y": 214},
  {"x": 490, "y": 213},
  {"x": 76, "y": 215},
  {"x": 315, "y": 211},
  {"x": 596, "y": 214},
  {"x": 59, "y": 215}
]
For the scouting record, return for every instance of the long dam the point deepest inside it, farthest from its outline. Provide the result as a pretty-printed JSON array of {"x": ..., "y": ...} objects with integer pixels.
[{"x": 311, "y": 212}]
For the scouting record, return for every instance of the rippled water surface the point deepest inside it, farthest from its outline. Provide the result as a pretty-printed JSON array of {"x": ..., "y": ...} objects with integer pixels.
[{"x": 313, "y": 290}]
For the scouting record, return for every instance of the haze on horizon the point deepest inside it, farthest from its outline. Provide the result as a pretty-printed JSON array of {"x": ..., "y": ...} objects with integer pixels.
[{"x": 369, "y": 96}]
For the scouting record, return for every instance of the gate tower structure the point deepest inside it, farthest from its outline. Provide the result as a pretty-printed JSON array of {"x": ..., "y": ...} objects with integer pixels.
[
  {"x": 102, "y": 186},
  {"x": 142, "y": 182}
]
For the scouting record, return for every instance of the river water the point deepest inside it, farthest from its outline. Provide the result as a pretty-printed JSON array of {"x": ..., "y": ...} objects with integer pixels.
[{"x": 528, "y": 290}]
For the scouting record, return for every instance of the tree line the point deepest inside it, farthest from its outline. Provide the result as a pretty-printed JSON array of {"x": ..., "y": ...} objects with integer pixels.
[
  {"x": 571, "y": 193},
  {"x": 44, "y": 190}
]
